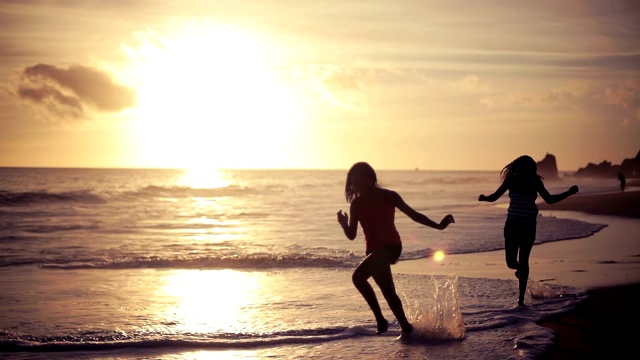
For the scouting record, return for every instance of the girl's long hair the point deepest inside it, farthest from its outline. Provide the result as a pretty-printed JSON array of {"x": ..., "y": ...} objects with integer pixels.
[
  {"x": 523, "y": 169},
  {"x": 363, "y": 168}
]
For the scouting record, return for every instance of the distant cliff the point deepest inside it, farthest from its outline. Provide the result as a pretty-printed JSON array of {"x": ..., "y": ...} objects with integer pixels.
[
  {"x": 630, "y": 168},
  {"x": 548, "y": 167}
]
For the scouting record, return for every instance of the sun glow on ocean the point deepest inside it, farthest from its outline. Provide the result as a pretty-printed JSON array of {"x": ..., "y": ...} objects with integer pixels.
[
  {"x": 209, "y": 219},
  {"x": 210, "y": 301},
  {"x": 203, "y": 178}
]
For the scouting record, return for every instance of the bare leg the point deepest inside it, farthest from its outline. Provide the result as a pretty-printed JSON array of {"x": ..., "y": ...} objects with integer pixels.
[
  {"x": 360, "y": 279},
  {"x": 518, "y": 241},
  {"x": 384, "y": 279},
  {"x": 511, "y": 247},
  {"x": 523, "y": 263}
]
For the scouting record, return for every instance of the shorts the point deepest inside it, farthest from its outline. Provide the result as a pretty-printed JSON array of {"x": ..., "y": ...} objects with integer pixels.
[
  {"x": 520, "y": 233},
  {"x": 391, "y": 253}
]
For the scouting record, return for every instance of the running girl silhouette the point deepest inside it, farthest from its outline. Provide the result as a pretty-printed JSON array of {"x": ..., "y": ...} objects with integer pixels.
[
  {"x": 521, "y": 178},
  {"x": 374, "y": 208}
]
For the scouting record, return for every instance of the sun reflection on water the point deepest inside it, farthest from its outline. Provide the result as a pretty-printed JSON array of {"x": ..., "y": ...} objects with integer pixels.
[
  {"x": 207, "y": 213},
  {"x": 211, "y": 301},
  {"x": 203, "y": 178}
]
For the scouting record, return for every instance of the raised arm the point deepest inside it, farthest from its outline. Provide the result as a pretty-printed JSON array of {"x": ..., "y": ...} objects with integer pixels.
[
  {"x": 496, "y": 195},
  {"x": 552, "y": 199},
  {"x": 419, "y": 217},
  {"x": 349, "y": 225}
]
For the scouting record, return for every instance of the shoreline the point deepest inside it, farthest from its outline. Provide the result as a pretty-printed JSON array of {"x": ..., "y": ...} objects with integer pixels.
[
  {"x": 597, "y": 327},
  {"x": 625, "y": 204},
  {"x": 610, "y": 257},
  {"x": 605, "y": 264}
]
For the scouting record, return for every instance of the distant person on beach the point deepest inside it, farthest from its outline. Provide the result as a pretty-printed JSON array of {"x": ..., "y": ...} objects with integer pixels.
[
  {"x": 521, "y": 178},
  {"x": 623, "y": 181},
  {"x": 374, "y": 208}
]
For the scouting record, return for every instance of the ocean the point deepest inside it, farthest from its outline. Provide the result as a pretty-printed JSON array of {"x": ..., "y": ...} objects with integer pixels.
[{"x": 230, "y": 264}]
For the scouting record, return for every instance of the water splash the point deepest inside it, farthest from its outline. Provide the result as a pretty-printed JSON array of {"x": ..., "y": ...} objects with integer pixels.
[
  {"x": 438, "y": 319},
  {"x": 540, "y": 290}
]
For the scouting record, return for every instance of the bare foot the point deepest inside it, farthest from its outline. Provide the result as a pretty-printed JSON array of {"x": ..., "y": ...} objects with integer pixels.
[
  {"x": 383, "y": 326},
  {"x": 407, "y": 329}
]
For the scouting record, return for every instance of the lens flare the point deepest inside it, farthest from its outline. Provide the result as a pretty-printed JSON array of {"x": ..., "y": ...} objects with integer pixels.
[{"x": 438, "y": 255}]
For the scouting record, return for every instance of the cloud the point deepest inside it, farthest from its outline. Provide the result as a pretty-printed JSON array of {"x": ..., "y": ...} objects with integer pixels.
[
  {"x": 347, "y": 86},
  {"x": 617, "y": 101},
  {"x": 626, "y": 95},
  {"x": 470, "y": 83},
  {"x": 543, "y": 100},
  {"x": 340, "y": 86},
  {"x": 69, "y": 91},
  {"x": 57, "y": 102}
]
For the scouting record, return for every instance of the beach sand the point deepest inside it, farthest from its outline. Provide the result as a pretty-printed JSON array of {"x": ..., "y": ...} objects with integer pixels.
[
  {"x": 619, "y": 204},
  {"x": 606, "y": 265},
  {"x": 601, "y": 327}
]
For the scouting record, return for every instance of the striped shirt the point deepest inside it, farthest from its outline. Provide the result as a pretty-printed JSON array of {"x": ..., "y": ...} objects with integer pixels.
[{"x": 522, "y": 206}]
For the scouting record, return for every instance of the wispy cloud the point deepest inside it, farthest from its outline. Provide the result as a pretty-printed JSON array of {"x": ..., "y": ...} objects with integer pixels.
[
  {"x": 626, "y": 95},
  {"x": 54, "y": 100},
  {"x": 67, "y": 92}
]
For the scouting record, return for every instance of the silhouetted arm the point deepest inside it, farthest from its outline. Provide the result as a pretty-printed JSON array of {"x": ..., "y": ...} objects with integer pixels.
[
  {"x": 349, "y": 225},
  {"x": 496, "y": 195},
  {"x": 419, "y": 217},
  {"x": 552, "y": 199}
]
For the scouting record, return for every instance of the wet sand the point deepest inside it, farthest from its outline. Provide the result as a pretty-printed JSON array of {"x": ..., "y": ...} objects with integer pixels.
[
  {"x": 618, "y": 204},
  {"x": 606, "y": 265},
  {"x": 602, "y": 326}
]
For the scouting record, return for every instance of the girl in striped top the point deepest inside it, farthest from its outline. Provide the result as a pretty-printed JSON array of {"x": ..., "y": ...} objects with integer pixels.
[{"x": 521, "y": 178}]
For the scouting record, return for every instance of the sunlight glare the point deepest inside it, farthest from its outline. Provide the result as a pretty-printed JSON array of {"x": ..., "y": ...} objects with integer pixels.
[
  {"x": 212, "y": 300},
  {"x": 207, "y": 96},
  {"x": 438, "y": 256},
  {"x": 203, "y": 178}
]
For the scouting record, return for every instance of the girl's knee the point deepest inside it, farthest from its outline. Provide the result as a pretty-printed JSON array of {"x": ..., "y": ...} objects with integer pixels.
[
  {"x": 512, "y": 264},
  {"x": 358, "y": 278}
]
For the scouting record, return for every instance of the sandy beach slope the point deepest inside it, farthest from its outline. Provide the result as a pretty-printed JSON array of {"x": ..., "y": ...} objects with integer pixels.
[
  {"x": 601, "y": 326},
  {"x": 606, "y": 264},
  {"x": 619, "y": 204}
]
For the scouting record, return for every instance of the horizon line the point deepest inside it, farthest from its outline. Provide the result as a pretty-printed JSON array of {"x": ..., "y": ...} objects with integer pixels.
[{"x": 245, "y": 169}]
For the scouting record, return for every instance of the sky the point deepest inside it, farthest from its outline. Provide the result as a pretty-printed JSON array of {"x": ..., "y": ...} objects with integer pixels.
[{"x": 296, "y": 84}]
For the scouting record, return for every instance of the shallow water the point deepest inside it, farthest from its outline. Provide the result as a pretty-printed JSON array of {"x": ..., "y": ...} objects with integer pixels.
[
  {"x": 286, "y": 313},
  {"x": 117, "y": 264}
]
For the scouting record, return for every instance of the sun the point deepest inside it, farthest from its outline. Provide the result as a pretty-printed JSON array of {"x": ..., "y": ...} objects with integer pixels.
[{"x": 208, "y": 97}]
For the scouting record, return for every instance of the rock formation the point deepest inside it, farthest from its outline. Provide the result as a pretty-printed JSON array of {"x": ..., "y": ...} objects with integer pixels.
[
  {"x": 630, "y": 168},
  {"x": 548, "y": 167}
]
